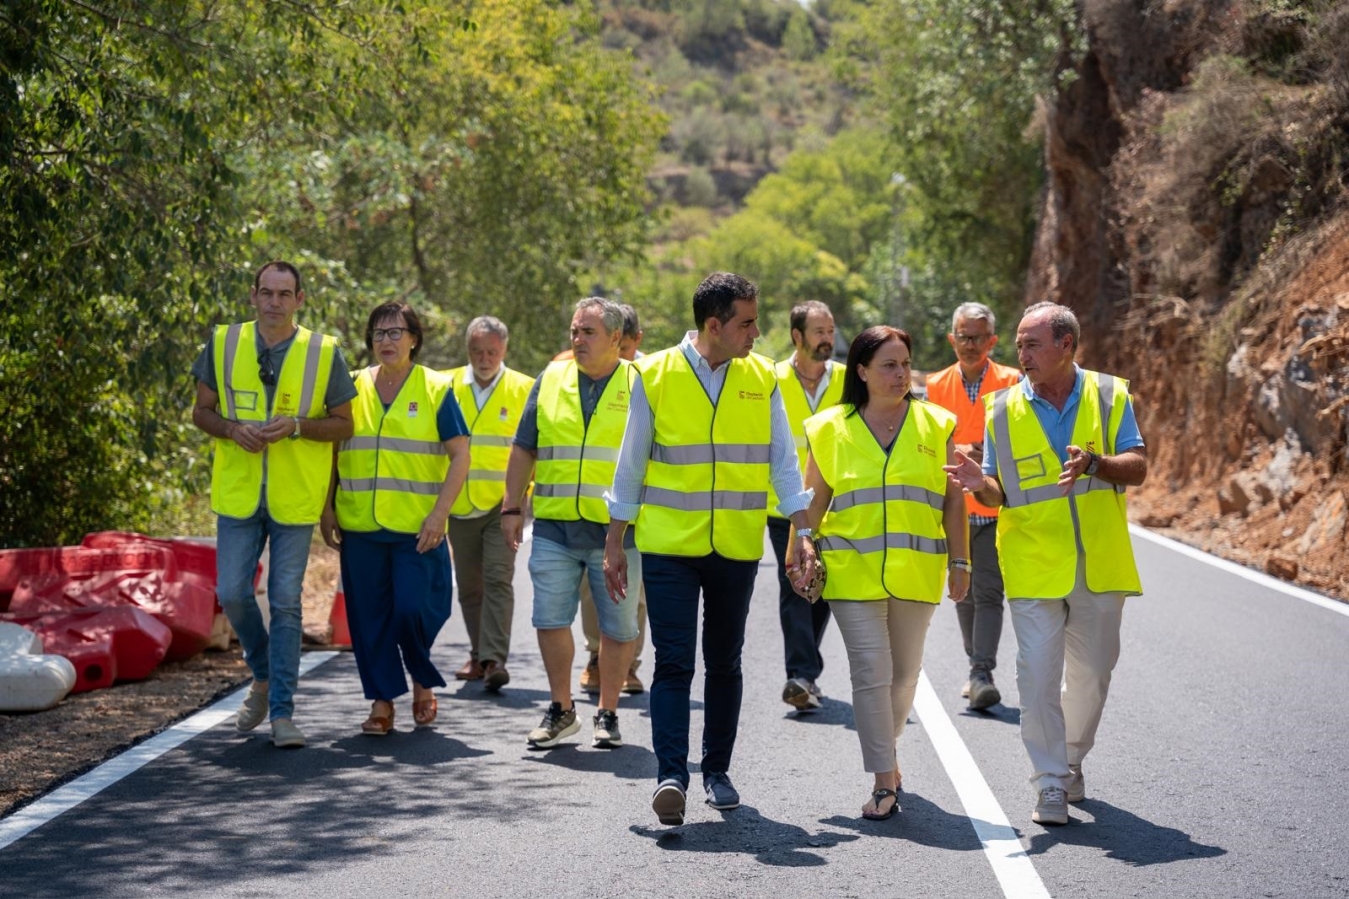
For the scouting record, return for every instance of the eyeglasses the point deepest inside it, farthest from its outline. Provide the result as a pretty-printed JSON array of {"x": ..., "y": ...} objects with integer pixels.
[
  {"x": 265, "y": 370},
  {"x": 394, "y": 334},
  {"x": 972, "y": 339}
]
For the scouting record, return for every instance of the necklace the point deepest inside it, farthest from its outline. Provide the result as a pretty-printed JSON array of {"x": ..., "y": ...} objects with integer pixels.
[
  {"x": 805, "y": 377},
  {"x": 880, "y": 425}
]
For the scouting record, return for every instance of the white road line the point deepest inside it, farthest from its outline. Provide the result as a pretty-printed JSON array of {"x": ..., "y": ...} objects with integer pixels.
[
  {"x": 1249, "y": 574},
  {"x": 1011, "y": 864},
  {"x": 30, "y": 818}
]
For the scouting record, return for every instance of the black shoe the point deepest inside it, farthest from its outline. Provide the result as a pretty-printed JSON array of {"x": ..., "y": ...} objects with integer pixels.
[{"x": 720, "y": 794}]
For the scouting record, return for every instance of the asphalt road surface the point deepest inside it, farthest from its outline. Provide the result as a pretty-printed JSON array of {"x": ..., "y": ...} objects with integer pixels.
[{"x": 1218, "y": 772}]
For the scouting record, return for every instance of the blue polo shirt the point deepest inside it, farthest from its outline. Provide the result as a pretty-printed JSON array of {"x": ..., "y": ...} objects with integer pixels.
[{"x": 1059, "y": 425}]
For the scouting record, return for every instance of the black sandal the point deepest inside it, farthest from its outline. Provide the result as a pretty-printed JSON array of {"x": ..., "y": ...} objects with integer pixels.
[{"x": 877, "y": 797}]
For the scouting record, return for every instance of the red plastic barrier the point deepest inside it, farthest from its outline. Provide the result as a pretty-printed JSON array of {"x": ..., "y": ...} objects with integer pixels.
[
  {"x": 104, "y": 645},
  {"x": 137, "y": 572}
]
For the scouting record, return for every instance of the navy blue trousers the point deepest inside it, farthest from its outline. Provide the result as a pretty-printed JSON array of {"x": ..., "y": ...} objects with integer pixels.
[
  {"x": 397, "y": 601},
  {"x": 673, "y": 585},
  {"x": 803, "y": 622}
]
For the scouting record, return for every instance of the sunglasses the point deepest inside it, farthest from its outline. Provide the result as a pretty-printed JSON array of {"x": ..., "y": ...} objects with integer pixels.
[{"x": 266, "y": 371}]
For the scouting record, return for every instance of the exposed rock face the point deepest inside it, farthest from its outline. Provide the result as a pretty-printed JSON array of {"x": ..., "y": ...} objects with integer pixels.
[{"x": 1194, "y": 217}]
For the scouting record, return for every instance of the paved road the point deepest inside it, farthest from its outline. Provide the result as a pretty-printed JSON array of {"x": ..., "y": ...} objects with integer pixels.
[{"x": 1217, "y": 774}]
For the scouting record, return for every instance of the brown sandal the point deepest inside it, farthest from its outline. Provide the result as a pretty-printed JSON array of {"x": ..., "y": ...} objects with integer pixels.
[
  {"x": 378, "y": 725},
  {"x": 424, "y": 711}
]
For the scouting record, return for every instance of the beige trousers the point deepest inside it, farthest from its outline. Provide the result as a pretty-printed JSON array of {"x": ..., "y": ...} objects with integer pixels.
[
  {"x": 885, "y": 640},
  {"x": 1066, "y": 651},
  {"x": 484, "y": 570}
]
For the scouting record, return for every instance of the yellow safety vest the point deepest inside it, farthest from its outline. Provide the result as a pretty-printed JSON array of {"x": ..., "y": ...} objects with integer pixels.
[
  {"x": 491, "y": 431},
  {"x": 1041, "y": 531},
  {"x": 883, "y": 536},
  {"x": 706, "y": 484},
  {"x": 798, "y": 410},
  {"x": 577, "y": 460},
  {"x": 297, "y": 471},
  {"x": 391, "y": 470}
]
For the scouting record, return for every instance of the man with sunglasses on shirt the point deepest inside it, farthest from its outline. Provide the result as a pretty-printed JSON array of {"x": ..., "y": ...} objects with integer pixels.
[{"x": 275, "y": 396}]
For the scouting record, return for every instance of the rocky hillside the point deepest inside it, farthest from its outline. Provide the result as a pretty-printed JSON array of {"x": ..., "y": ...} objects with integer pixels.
[{"x": 1196, "y": 218}]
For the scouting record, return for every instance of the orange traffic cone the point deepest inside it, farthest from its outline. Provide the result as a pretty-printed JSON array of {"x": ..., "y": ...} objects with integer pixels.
[{"x": 338, "y": 620}]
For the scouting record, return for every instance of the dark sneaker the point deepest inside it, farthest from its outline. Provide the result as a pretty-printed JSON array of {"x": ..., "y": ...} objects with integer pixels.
[
  {"x": 982, "y": 692},
  {"x": 632, "y": 684},
  {"x": 590, "y": 677},
  {"x": 556, "y": 726},
  {"x": 816, "y": 692},
  {"x": 720, "y": 794},
  {"x": 965, "y": 691},
  {"x": 668, "y": 802},
  {"x": 796, "y": 693},
  {"x": 606, "y": 730},
  {"x": 1052, "y": 807},
  {"x": 1077, "y": 784}
]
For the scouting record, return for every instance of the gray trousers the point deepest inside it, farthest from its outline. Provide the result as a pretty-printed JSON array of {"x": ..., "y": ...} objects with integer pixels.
[
  {"x": 484, "y": 568},
  {"x": 981, "y": 614}
]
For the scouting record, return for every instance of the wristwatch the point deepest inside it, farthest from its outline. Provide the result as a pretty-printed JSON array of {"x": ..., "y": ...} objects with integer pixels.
[
  {"x": 963, "y": 564},
  {"x": 806, "y": 532},
  {"x": 295, "y": 435},
  {"x": 1094, "y": 464}
]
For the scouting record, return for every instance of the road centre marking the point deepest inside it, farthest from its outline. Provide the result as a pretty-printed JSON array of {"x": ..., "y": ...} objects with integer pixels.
[
  {"x": 1011, "y": 865},
  {"x": 63, "y": 799},
  {"x": 1249, "y": 574}
]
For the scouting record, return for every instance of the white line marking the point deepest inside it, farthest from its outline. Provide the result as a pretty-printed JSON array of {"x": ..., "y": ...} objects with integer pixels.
[
  {"x": 31, "y": 817},
  {"x": 1011, "y": 864},
  {"x": 1249, "y": 574}
]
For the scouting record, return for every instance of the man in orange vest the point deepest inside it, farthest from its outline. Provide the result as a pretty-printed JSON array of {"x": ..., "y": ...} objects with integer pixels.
[{"x": 959, "y": 389}]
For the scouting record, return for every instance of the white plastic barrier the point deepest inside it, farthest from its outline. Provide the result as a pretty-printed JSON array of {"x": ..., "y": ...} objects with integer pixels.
[{"x": 29, "y": 680}]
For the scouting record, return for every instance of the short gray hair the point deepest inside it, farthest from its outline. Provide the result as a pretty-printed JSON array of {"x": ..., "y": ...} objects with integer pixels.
[
  {"x": 631, "y": 325},
  {"x": 974, "y": 311},
  {"x": 610, "y": 312},
  {"x": 1061, "y": 321},
  {"x": 489, "y": 323}
]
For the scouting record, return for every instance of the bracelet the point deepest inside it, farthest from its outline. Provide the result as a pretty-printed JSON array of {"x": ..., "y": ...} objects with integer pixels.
[
  {"x": 809, "y": 533},
  {"x": 963, "y": 564},
  {"x": 511, "y": 512}
]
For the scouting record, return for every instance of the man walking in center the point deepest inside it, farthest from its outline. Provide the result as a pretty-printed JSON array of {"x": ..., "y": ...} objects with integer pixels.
[
  {"x": 809, "y": 382},
  {"x": 571, "y": 428},
  {"x": 1060, "y": 447},
  {"x": 492, "y": 397},
  {"x": 959, "y": 389},
  {"x": 705, "y": 433},
  {"x": 275, "y": 396}
]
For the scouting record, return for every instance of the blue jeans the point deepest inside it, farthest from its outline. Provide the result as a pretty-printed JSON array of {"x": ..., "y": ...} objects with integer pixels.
[
  {"x": 556, "y": 572},
  {"x": 273, "y": 657},
  {"x": 673, "y": 584}
]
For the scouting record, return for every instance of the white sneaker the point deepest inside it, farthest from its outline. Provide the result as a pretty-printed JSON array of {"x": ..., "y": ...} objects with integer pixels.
[
  {"x": 254, "y": 709},
  {"x": 1077, "y": 784},
  {"x": 1052, "y": 807}
]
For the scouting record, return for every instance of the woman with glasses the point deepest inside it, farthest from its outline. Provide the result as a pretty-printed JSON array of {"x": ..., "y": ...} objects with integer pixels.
[
  {"x": 886, "y": 520},
  {"x": 397, "y": 478}
]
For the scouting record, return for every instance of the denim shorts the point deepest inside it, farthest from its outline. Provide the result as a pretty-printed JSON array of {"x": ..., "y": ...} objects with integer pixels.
[{"x": 557, "y": 571}]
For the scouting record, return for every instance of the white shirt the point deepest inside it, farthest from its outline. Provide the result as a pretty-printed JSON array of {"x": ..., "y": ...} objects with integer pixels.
[{"x": 480, "y": 394}]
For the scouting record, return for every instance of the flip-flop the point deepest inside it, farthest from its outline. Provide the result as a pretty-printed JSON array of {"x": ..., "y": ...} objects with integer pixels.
[{"x": 878, "y": 796}]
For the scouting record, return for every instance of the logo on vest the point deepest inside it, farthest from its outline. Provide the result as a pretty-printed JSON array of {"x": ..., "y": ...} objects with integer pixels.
[
  {"x": 750, "y": 395},
  {"x": 504, "y": 414},
  {"x": 1091, "y": 446},
  {"x": 412, "y": 409},
  {"x": 927, "y": 450}
]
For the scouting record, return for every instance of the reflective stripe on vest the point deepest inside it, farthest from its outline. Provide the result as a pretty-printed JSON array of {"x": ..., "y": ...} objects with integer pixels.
[
  {"x": 884, "y": 535},
  {"x": 797, "y": 406},
  {"x": 706, "y": 485},
  {"x": 296, "y": 472},
  {"x": 1041, "y": 531},
  {"x": 391, "y": 470},
  {"x": 491, "y": 433},
  {"x": 576, "y": 458}
]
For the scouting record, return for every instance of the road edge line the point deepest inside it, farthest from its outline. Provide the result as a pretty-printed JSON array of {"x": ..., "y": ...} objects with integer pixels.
[
  {"x": 1002, "y": 847},
  {"x": 91, "y": 783},
  {"x": 1240, "y": 570}
]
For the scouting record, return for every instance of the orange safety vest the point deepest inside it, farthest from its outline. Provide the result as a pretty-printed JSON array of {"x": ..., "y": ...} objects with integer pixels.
[{"x": 946, "y": 388}]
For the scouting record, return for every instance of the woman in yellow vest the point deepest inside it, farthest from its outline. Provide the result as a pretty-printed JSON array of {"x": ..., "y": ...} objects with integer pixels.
[
  {"x": 893, "y": 519},
  {"x": 397, "y": 480}
]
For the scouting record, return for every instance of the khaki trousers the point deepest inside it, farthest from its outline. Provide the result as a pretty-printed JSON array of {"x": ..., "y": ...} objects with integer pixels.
[
  {"x": 1066, "y": 651},
  {"x": 484, "y": 567},
  {"x": 590, "y": 623},
  {"x": 884, "y": 638}
]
